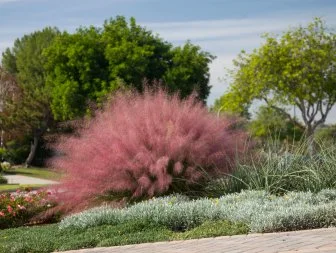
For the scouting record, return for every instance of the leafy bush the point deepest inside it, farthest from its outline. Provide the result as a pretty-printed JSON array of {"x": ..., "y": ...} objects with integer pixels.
[
  {"x": 326, "y": 133},
  {"x": 16, "y": 151},
  {"x": 18, "y": 208},
  {"x": 4, "y": 166},
  {"x": 261, "y": 211},
  {"x": 3, "y": 154},
  {"x": 276, "y": 172},
  {"x": 269, "y": 122},
  {"x": 3, "y": 180},
  {"x": 147, "y": 144}
]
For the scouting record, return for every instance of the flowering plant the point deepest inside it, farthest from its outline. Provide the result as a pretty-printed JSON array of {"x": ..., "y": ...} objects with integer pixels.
[
  {"x": 145, "y": 145},
  {"x": 5, "y": 166},
  {"x": 18, "y": 208}
]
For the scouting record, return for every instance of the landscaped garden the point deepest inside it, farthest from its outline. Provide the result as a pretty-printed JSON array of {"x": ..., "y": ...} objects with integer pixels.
[
  {"x": 177, "y": 218},
  {"x": 213, "y": 181},
  {"x": 40, "y": 173},
  {"x": 151, "y": 162}
]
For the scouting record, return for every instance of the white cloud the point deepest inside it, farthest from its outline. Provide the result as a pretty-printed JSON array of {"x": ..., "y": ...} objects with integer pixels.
[
  {"x": 11, "y": 1},
  {"x": 8, "y": 1},
  {"x": 228, "y": 28},
  {"x": 212, "y": 29},
  {"x": 217, "y": 73},
  {"x": 226, "y": 38}
]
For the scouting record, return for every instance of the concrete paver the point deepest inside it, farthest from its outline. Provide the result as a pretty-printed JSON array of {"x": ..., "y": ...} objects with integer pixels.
[
  {"x": 19, "y": 179},
  {"x": 306, "y": 241}
]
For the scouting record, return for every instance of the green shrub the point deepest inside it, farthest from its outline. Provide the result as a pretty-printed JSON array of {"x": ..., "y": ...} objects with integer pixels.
[
  {"x": 326, "y": 134},
  {"x": 3, "y": 156},
  {"x": 269, "y": 122},
  {"x": 16, "y": 151},
  {"x": 5, "y": 166},
  {"x": 3, "y": 180}
]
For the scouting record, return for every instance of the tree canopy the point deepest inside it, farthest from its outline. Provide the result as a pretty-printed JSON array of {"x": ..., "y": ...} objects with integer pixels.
[
  {"x": 269, "y": 124},
  {"x": 295, "y": 69},
  {"x": 76, "y": 71},
  {"x": 188, "y": 70},
  {"x": 9, "y": 92},
  {"x": 25, "y": 61},
  {"x": 86, "y": 66},
  {"x": 60, "y": 74}
]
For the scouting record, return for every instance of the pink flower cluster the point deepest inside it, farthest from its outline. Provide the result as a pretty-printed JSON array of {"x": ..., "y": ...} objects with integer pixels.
[
  {"x": 21, "y": 205},
  {"x": 144, "y": 144}
]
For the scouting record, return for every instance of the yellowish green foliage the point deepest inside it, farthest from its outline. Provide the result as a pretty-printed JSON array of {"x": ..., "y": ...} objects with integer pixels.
[{"x": 297, "y": 68}]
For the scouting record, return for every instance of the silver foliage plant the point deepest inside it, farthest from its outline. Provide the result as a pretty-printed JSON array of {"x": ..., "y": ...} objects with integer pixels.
[{"x": 261, "y": 211}]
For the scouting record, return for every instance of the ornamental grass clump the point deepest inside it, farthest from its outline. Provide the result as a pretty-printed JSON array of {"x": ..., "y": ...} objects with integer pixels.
[
  {"x": 278, "y": 172},
  {"x": 143, "y": 145}
]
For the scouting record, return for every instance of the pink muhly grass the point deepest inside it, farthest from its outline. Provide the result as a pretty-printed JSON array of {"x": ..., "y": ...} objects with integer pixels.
[{"x": 141, "y": 144}]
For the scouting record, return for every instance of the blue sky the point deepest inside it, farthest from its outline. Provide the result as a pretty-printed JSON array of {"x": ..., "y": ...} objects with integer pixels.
[{"x": 222, "y": 27}]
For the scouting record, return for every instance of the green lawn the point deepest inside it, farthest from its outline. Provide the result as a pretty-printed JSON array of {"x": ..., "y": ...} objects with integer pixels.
[
  {"x": 49, "y": 238},
  {"x": 13, "y": 187},
  {"x": 43, "y": 173}
]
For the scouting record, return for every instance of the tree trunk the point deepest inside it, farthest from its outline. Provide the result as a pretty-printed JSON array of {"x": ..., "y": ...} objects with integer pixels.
[
  {"x": 33, "y": 148},
  {"x": 311, "y": 140},
  {"x": 2, "y": 142}
]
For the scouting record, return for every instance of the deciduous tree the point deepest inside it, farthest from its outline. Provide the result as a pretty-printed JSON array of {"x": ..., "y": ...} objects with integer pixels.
[
  {"x": 26, "y": 62},
  {"x": 296, "y": 69},
  {"x": 9, "y": 93},
  {"x": 86, "y": 66}
]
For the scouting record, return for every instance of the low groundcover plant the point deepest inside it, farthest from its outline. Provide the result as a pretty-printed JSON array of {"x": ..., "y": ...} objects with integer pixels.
[{"x": 261, "y": 211}]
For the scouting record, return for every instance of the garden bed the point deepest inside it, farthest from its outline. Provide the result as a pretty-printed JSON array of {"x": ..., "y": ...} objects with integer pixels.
[{"x": 175, "y": 218}]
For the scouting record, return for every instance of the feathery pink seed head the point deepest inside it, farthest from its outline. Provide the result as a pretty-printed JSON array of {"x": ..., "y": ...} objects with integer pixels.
[{"x": 131, "y": 143}]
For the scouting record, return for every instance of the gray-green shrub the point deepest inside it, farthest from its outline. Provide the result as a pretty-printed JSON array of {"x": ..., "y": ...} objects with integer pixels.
[{"x": 261, "y": 211}]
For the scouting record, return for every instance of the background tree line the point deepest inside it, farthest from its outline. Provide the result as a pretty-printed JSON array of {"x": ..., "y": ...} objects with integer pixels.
[
  {"x": 60, "y": 74},
  {"x": 296, "y": 69},
  {"x": 57, "y": 77}
]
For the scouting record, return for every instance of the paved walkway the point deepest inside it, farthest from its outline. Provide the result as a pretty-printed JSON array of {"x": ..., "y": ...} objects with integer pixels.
[
  {"x": 19, "y": 179},
  {"x": 306, "y": 241}
]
